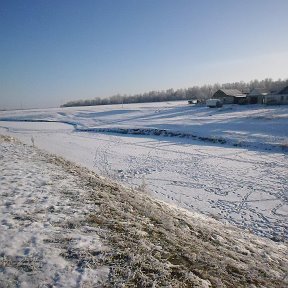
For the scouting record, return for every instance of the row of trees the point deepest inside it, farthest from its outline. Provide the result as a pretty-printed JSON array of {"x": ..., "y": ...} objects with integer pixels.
[{"x": 196, "y": 92}]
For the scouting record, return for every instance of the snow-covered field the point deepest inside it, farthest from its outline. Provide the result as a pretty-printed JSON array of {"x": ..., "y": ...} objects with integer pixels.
[
  {"x": 230, "y": 163},
  {"x": 238, "y": 125}
]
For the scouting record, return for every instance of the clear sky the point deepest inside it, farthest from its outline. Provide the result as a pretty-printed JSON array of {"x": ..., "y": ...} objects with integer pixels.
[{"x": 53, "y": 51}]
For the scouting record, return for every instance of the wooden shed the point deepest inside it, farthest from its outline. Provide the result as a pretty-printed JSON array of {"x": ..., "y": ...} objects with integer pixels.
[{"x": 230, "y": 96}]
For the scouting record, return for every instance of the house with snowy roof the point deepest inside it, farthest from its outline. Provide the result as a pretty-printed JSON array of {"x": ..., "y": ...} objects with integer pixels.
[{"x": 230, "y": 96}]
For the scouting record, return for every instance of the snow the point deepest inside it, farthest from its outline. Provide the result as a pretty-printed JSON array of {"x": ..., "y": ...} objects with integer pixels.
[
  {"x": 35, "y": 215},
  {"x": 246, "y": 125},
  {"x": 63, "y": 226},
  {"x": 229, "y": 163}
]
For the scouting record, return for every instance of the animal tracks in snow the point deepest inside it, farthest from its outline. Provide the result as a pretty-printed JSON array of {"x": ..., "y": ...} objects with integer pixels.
[
  {"x": 245, "y": 188},
  {"x": 248, "y": 188}
]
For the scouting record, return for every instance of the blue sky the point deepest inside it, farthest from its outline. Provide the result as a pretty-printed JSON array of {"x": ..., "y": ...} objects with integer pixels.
[{"x": 54, "y": 51}]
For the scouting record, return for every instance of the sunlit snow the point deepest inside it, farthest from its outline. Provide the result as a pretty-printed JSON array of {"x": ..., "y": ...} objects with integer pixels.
[{"x": 230, "y": 163}]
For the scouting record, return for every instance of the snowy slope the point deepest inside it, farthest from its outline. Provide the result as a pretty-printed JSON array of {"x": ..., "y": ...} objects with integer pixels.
[
  {"x": 41, "y": 207},
  {"x": 63, "y": 226}
]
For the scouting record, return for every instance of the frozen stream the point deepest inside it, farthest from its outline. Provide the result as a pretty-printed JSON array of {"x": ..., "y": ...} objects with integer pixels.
[{"x": 244, "y": 187}]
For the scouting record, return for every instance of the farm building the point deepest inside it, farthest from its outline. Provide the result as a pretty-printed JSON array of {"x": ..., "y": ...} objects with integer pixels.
[
  {"x": 256, "y": 96},
  {"x": 284, "y": 91},
  {"x": 230, "y": 96},
  {"x": 278, "y": 98}
]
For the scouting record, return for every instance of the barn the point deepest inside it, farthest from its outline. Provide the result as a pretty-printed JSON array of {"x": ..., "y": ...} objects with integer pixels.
[{"x": 230, "y": 96}]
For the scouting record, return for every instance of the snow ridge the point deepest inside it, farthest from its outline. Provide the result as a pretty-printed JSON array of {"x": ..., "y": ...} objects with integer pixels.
[
  {"x": 78, "y": 127},
  {"x": 168, "y": 133}
]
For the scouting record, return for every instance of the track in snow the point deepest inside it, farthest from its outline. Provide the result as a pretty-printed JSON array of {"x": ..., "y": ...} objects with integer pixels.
[{"x": 247, "y": 188}]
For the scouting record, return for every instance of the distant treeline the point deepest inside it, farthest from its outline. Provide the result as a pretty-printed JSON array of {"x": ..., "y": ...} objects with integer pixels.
[{"x": 196, "y": 92}]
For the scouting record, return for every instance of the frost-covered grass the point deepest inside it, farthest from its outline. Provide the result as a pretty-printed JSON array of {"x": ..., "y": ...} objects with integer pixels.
[
  {"x": 64, "y": 226},
  {"x": 42, "y": 216}
]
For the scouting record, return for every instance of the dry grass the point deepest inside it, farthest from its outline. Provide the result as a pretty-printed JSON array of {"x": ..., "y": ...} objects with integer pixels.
[
  {"x": 8, "y": 139},
  {"x": 156, "y": 245}
]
